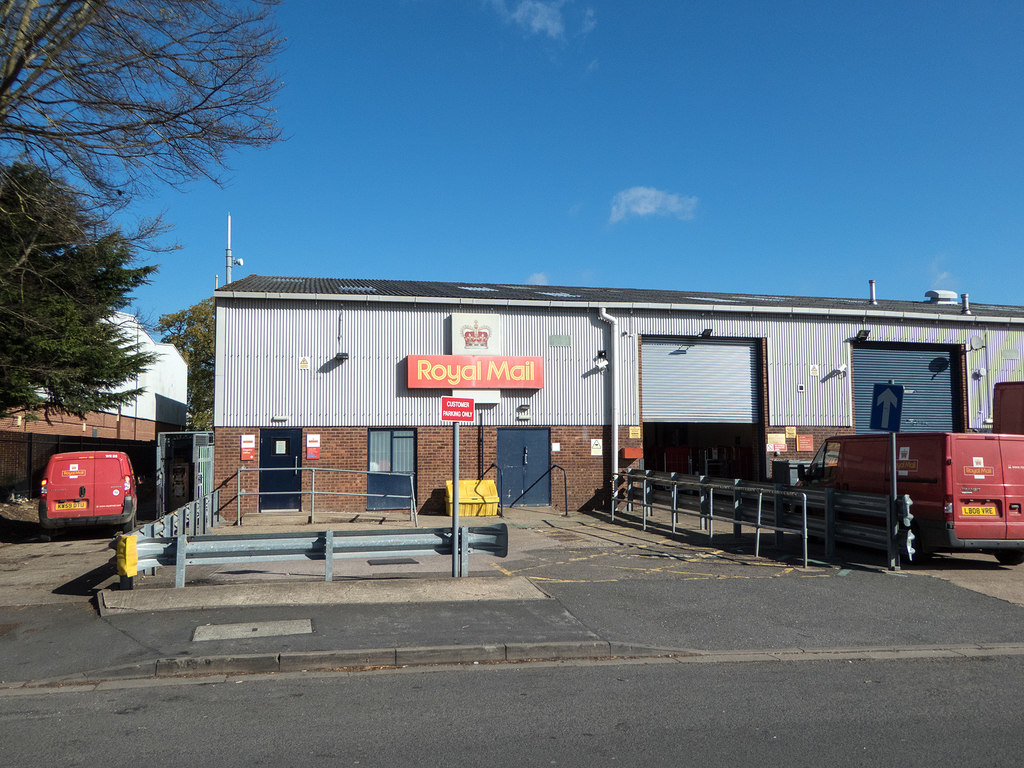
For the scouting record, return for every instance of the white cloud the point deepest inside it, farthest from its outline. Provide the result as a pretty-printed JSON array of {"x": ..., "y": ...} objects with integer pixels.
[
  {"x": 542, "y": 17},
  {"x": 648, "y": 201},
  {"x": 537, "y": 278},
  {"x": 538, "y": 17}
]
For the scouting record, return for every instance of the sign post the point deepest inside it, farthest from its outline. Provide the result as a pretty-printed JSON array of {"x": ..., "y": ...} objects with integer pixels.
[
  {"x": 886, "y": 415},
  {"x": 456, "y": 410}
]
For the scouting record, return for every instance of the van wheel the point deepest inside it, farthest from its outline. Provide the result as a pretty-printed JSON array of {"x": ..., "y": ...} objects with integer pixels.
[{"x": 1009, "y": 556}]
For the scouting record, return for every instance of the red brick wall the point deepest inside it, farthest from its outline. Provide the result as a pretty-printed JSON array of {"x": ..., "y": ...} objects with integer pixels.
[
  {"x": 345, "y": 448},
  {"x": 103, "y": 425},
  {"x": 819, "y": 434}
]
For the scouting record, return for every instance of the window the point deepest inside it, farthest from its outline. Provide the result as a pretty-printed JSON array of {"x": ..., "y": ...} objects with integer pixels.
[
  {"x": 392, "y": 450},
  {"x": 388, "y": 451}
]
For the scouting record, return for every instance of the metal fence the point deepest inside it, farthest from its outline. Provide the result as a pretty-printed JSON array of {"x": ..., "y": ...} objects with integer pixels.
[
  {"x": 313, "y": 493},
  {"x": 830, "y": 516},
  {"x": 140, "y": 552}
]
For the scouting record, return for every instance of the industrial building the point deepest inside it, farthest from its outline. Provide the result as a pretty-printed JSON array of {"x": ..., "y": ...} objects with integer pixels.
[{"x": 347, "y": 374}]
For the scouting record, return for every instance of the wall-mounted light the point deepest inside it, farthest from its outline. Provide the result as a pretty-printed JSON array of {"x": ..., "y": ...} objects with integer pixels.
[
  {"x": 841, "y": 370},
  {"x": 277, "y": 419},
  {"x": 706, "y": 333},
  {"x": 862, "y": 335},
  {"x": 341, "y": 356},
  {"x": 523, "y": 412},
  {"x": 601, "y": 360}
]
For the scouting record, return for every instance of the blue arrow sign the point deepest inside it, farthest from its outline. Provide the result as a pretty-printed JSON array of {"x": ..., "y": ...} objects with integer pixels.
[{"x": 887, "y": 407}]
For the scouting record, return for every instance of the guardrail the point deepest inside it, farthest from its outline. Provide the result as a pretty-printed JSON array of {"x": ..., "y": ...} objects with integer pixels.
[
  {"x": 137, "y": 552},
  {"x": 823, "y": 514},
  {"x": 738, "y": 502},
  {"x": 313, "y": 492},
  {"x": 194, "y": 518}
]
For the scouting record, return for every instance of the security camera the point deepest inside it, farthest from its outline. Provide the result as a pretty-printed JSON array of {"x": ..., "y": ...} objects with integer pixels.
[
  {"x": 239, "y": 262},
  {"x": 842, "y": 368},
  {"x": 601, "y": 363}
]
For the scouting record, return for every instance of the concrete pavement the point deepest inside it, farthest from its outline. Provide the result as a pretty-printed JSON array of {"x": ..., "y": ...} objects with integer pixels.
[{"x": 572, "y": 587}]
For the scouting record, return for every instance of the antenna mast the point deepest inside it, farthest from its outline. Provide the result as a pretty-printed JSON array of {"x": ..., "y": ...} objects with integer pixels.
[{"x": 228, "y": 252}]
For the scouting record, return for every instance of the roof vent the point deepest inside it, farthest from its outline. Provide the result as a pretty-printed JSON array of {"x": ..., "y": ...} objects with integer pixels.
[{"x": 942, "y": 297}]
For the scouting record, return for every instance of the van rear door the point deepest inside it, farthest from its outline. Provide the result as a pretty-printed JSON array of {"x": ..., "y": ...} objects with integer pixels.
[
  {"x": 69, "y": 480},
  {"x": 108, "y": 485},
  {"x": 1012, "y": 450},
  {"x": 976, "y": 472}
]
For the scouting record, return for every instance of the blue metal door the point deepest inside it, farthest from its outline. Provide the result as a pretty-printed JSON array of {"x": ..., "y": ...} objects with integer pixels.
[
  {"x": 280, "y": 451},
  {"x": 524, "y": 459}
]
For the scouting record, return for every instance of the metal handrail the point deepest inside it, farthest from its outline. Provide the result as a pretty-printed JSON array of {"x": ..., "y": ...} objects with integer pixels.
[
  {"x": 838, "y": 516},
  {"x": 704, "y": 489},
  {"x": 501, "y": 504},
  {"x": 313, "y": 492}
]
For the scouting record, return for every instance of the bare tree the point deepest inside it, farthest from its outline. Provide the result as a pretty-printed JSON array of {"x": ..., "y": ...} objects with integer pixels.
[{"x": 118, "y": 93}]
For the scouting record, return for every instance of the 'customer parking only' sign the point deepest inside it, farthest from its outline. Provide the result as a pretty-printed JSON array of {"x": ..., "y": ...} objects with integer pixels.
[{"x": 457, "y": 409}]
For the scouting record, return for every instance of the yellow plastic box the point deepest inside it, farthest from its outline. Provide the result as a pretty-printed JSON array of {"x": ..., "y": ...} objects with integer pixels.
[{"x": 477, "y": 498}]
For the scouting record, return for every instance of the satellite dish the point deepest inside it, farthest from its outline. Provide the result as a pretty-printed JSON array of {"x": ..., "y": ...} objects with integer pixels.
[{"x": 977, "y": 342}]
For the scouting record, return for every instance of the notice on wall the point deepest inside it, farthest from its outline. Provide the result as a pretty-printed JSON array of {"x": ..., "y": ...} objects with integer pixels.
[
  {"x": 776, "y": 447},
  {"x": 248, "y": 452},
  {"x": 597, "y": 447},
  {"x": 805, "y": 442},
  {"x": 634, "y": 433},
  {"x": 312, "y": 446},
  {"x": 776, "y": 437},
  {"x": 790, "y": 432}
]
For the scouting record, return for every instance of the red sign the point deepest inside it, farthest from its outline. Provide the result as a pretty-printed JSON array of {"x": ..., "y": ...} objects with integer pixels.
[
  {"x": 248, "y": 452},
  {"x": 457, "y": 409},
  {"x": 475, "y": 372},
  {"x": 312, "y": 446}
]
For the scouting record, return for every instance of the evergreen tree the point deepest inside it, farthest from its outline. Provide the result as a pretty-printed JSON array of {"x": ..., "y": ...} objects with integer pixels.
[{"x": 64, "y": 273}]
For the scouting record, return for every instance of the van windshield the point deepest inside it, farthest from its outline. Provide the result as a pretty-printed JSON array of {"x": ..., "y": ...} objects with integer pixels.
[{"x": 823, "y": 465}]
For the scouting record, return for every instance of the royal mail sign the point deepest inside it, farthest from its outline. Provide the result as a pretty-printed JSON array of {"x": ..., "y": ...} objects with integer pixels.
[{"x": 475, "y": 372}]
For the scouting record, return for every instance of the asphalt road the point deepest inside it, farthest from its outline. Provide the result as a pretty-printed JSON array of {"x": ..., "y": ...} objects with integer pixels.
[
  {"x": 908, "y": 713},
  {"x": 593, "y": 581}
]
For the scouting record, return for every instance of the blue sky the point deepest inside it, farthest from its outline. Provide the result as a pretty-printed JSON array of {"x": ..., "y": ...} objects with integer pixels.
[{"x": 787, "y": 147}]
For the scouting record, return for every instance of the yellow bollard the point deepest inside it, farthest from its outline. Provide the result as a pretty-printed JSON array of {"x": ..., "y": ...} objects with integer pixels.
[{"x": 127, "y": 556}]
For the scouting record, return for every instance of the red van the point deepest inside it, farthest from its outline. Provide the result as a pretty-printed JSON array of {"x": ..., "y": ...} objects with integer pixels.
[
  {"x": 967, "y": 489},
  {"x": 88, "y": 488}
]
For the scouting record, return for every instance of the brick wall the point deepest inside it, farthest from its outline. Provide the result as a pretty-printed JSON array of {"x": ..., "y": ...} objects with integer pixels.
[
  {"x": 586, "y": 476},
  {"x": 107, "y": 426},
  {"x": 819, "y": 434}
]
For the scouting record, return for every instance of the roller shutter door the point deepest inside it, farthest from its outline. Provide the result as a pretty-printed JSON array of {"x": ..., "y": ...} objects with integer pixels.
[
  {"x": 927, "y": 374},
  {"x": 692, "y": 380}
]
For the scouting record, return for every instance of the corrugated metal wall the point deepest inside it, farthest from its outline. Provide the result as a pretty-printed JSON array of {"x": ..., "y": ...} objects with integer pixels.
[{"x": 260, "y": 343}]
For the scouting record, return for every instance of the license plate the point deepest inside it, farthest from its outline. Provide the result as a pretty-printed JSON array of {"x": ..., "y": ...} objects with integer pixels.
[
  {"x": 71, "y": 505},
  {"x": 979, "y": 511}
]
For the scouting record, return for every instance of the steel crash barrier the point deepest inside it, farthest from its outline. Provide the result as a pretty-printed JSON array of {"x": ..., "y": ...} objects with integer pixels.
[
  {"x": 868, "y": 520},
  {"x": 137, "y": 552}
]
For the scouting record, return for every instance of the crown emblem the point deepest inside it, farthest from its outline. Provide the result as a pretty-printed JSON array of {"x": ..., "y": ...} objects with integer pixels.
[{"x": 476, "y": 337}]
